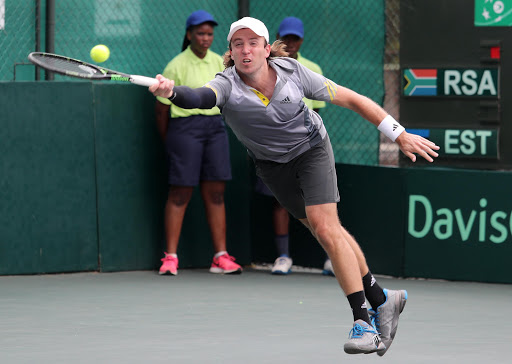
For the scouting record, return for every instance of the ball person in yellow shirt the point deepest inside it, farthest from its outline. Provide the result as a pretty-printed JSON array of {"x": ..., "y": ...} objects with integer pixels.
[{"x": 197, "y": 147}]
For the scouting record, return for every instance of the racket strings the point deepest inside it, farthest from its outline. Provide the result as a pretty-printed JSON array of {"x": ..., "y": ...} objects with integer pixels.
[{"x": 68, "y": 66}]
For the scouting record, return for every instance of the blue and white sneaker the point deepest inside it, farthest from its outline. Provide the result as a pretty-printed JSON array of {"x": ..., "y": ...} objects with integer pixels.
[
  {"x": 363, "y": 339},
  {"x": 386, "y": 316},
  {"x": 282, "y": 265}
]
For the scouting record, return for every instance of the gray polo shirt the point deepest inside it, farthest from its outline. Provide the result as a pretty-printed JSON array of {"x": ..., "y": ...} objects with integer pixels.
[{"x": 283, "y": 127}]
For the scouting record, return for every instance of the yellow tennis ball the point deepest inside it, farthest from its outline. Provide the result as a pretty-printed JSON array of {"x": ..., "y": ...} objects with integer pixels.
[{"x": 100, "y": 53}]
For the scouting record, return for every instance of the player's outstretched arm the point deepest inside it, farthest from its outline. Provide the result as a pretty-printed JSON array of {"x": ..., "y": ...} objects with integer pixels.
[
  {"x": 184, "y": 96},
  {"x": 410, "y": 144}
]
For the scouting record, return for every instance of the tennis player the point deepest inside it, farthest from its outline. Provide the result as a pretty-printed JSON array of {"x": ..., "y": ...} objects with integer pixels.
[
  {"x": 260, "y": 96},
  {"x": 291, "y": 32}
]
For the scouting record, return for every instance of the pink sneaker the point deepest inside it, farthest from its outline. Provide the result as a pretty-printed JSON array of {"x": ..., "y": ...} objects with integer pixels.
[
  {"x": 169, "y": 265},
  {"x": 225, "y": 264}
]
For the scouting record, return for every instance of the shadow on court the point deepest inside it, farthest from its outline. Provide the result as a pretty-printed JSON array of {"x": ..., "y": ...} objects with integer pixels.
[{"x": 198, "y": 317}]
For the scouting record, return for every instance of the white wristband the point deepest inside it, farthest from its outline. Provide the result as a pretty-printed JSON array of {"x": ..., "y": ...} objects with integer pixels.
[{"x": 390, "y": 127}]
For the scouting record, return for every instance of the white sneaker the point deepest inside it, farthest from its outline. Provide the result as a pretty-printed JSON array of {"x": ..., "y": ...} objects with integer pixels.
[
  {"x": 328, "y": 271},
  {"x": 282, "y": 265}
]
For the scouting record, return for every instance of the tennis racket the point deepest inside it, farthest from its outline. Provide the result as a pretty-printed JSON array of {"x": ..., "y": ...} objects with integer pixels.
[{"x": 74, "y": 68}]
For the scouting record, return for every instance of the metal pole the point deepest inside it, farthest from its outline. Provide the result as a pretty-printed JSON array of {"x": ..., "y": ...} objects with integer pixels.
[
  {"x": 38, "y": 33},
  {"x": 50, "y": 32},
  {"x": 243, "y": 8}
]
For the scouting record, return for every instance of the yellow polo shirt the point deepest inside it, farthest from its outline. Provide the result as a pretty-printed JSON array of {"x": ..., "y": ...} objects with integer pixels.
[
  {"x": 311, "y": 104},
  {"x": 186, "y": 69}
]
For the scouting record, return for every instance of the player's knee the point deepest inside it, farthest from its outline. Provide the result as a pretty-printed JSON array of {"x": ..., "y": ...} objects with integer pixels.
[{"x": 322, "y": 231}]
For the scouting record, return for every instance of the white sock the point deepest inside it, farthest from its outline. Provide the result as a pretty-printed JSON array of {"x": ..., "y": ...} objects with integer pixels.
[
  {"x": 171, "y": 255},
  {"x": 220, "y": 253}
]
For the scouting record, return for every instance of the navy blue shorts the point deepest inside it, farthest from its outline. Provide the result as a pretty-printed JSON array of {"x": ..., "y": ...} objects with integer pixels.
[
  {"x": 197, "y": 150},
  {"x": 262, "y": 188}
]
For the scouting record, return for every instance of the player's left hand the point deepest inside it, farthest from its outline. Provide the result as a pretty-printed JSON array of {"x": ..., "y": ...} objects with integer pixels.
[{"x": 411, "y": 143}]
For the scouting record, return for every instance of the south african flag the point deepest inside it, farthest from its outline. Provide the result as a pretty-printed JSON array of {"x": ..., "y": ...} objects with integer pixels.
[{"x": 420, "y": 82}]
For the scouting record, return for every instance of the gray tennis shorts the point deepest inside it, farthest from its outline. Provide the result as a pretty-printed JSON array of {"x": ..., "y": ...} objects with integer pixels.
[{"x": 309, "y": 179}]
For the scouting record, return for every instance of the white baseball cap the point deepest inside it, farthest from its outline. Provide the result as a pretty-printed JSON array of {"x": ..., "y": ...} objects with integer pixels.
[{"x": 253, "y": 24}]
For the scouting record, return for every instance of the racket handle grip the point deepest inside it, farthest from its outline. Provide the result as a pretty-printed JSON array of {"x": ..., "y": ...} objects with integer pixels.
[{"x": 142, "y": 80}]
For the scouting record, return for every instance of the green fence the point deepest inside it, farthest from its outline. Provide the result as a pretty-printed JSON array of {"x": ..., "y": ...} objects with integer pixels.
[{"x": 346, "y": 38}]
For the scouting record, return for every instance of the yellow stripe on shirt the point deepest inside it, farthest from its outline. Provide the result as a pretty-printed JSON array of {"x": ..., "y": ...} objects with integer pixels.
[
  {"x": 264, "y": 99},
  {"x": 331, "y": 88},
  {"x": 211, "y": 88}
]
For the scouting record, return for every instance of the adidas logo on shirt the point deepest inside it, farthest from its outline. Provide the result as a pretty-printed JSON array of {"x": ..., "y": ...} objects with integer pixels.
[{"x": 286, "y": 100}]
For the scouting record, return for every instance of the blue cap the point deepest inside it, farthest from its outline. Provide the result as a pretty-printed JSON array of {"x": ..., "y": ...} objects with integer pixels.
[
  {"x": 200, "y": 17},
  {"x": 291, "y": 25}
]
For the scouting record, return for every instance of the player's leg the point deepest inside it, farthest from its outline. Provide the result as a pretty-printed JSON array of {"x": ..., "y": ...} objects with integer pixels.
[
  {"x": 215, "y": 170},
  {"x": 309, "y": 178},
  {"x": 374, "y": 293},
  {"x": 324, "y": 223},
  {"x": 307, "y": 187},
  {"x": 318, "y": 181},
  {"x": 386, "y": 304}
]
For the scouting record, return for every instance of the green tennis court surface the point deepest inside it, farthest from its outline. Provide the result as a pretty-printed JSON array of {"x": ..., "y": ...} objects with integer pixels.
[{"x": 198, "y": 317}]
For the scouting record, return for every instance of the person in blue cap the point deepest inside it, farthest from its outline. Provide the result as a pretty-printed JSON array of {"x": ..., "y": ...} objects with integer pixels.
[
  {"x": 197, "y": 146},
  {"x": 291, "y": 33}
]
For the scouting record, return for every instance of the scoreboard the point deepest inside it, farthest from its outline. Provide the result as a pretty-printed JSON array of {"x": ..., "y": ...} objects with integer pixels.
[{"x": 456, "y": 70}]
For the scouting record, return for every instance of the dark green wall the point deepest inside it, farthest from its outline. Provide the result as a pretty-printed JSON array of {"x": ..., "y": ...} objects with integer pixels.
[
  {"x": 83, "y": 183},
  {"x": 47, "y": 186},
  {"x": 130, "y": 178},
  {"x": 467, "y": 236},
  {"x": 372, "y": 209}
]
